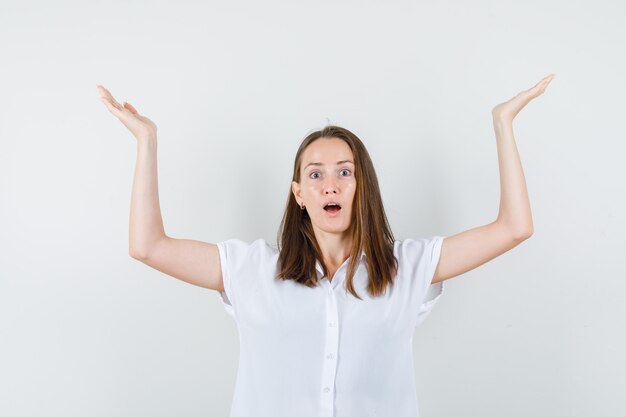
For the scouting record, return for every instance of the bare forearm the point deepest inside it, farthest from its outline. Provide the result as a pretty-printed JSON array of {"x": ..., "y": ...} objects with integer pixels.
[
  {"x": 146, "y": 224},
  {"x": 514, "y": 208}
]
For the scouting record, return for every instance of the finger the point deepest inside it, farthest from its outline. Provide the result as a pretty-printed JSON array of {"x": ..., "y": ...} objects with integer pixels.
[
  {"x": 539, "y": 87},
  {"x": 113, "y": 103},
  {"x": 107, "y": 94},
  {"x": 104, "y": 92},
  {"x": 543, "y": 84},
  {"x": 109, "y": 105},
  {"x": 130, "y": 107},
  {"x": 545, "y": 81}
]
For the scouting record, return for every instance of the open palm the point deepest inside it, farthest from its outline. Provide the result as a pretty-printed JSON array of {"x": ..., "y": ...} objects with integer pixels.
[
  {"x": 140, "y": 126},
  {"x": 508, "y": 110}
]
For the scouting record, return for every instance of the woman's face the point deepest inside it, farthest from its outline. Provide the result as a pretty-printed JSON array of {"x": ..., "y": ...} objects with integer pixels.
[{"x": 327, "y": 175}]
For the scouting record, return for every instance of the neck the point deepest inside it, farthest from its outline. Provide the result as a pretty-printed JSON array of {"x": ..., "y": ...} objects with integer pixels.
[{"x": 335, "y": 247}]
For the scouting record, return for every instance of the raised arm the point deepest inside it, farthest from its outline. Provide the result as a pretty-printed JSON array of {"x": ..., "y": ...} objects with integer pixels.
[
  {"x": 192, "y": 261},
  {"x": 469, "y": 249}
]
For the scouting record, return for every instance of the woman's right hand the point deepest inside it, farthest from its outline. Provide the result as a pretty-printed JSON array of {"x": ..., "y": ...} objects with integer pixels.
[{"x": 140, "y": 126}]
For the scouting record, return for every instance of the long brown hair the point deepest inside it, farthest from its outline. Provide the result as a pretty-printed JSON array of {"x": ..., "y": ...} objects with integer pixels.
[{"x": 298, "y": 248}]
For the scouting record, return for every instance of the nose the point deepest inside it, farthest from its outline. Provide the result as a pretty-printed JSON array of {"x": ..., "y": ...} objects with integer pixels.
[{"x": 330, "y": 188}]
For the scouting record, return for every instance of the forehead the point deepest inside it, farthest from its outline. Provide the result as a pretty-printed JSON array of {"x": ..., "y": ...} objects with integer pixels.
[{"x": 327, "y": 151}]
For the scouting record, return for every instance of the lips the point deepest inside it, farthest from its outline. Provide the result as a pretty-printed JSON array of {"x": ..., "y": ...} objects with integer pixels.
[{"x": 332, "y": 206}]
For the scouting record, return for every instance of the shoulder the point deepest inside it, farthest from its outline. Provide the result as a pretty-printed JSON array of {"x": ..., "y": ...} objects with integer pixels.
[
  {"x": 414, "y": 250},
  {"x": 239, "y": 250}
]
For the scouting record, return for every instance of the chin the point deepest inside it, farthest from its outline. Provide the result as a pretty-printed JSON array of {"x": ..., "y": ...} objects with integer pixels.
[
  {"x": 337, "y": 229},
  {"x": 331, "y": 228}
]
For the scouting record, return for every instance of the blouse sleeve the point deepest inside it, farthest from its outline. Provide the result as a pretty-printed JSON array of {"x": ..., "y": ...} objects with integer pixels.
[
  {"x": 431, "y": 292},
  {"x": 233, "y": 253},
  {"x": 239, "y": 261},
  {"x": 418, "y": 260},
  {"x": 226, "y": 295}
]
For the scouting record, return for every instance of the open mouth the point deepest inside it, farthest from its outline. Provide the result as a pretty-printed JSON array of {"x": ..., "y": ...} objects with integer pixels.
[{"x": 332, "y": 208}]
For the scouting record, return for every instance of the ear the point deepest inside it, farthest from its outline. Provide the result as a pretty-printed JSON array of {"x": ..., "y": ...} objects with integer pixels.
[{"x": 295, "y": 189}]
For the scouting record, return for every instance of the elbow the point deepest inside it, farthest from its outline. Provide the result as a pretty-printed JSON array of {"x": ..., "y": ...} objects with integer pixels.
[
  {"x": 137, "y": 254},
  {"x": 141, "y": 250},
  {"x": 518, "y": 231},
  {"x": 522, "y": 234}
]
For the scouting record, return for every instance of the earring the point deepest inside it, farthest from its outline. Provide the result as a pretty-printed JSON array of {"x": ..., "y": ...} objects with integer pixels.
[{"x": 301, "y": 206}]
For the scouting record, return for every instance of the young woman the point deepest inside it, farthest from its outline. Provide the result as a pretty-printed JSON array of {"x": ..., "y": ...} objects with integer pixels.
[{"x": 326, "y": 320}]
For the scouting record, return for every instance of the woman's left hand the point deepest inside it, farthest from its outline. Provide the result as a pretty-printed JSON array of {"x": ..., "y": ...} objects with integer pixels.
[{"x": 507, "y": 111}]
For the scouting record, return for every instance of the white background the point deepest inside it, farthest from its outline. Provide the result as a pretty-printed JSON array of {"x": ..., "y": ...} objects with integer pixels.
[{"x": 85, "y": 330}]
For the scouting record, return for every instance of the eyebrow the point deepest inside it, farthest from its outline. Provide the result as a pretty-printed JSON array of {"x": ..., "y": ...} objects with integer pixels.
[{"x": 319, "y": 163}]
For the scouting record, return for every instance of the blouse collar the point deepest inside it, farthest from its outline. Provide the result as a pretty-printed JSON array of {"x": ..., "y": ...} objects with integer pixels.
[{"x": 318, "y": 266}]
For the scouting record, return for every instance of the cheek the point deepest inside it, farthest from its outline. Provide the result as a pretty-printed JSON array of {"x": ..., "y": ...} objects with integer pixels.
[
  {"x": 310, "y": 187},
  {"x": 349, "y": 193}
]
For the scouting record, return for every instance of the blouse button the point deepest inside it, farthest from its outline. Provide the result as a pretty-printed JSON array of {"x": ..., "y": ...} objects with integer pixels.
[
  {"x": 326, "y": 389},
  {"x": 331, "y": 324},
  {"x": 330, "y": 356}
]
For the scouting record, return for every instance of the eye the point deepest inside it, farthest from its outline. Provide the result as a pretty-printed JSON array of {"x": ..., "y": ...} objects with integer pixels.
[
  {"x": 313, "y": 173},
  {"x": 347, "y": 170}
]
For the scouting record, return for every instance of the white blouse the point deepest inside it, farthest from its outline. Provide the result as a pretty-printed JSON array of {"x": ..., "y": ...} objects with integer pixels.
[{"x": 321, "y": 352}]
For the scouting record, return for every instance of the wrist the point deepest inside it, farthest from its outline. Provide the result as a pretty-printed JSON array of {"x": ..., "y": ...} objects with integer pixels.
[
  {"x": 500, "y": 121},
  {"x": 147, "y": 138}
]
